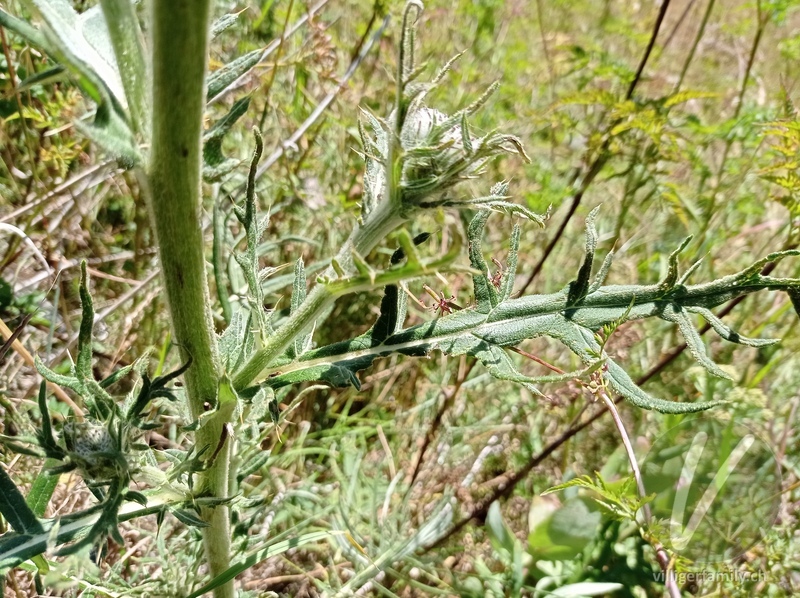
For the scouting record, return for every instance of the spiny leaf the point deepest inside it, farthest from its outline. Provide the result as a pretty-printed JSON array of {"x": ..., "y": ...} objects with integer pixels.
[
  {"x": 694, "y": 342},
  {"x": 249, "y": 259},
  {"x": 622, "y": 383},
  {"x": 188, "y": 517},
  {"x": 224, "y": 22},
  {"x": 794, "y": 295},
  {"x": 152, "y": 389},
  {"x": 70, "y": 382},
  {"x": 393, "y": 303},
  {"x": 106, "y": 525},
  {"x": 42, "y": 489},
  {"x": 509, "y": 276},
  {"x": 399, "y": 254},
  {"x": 393, "y": 312},
  {"x": 247, "y": 214},
  {"x": 137, "y": 497},
  {"x": 727, "y": 332},
  {"x": 98, "y": 399},
  {"x": 409, "y": 248},
  {"x": 46, "y": 437},
  {"x": 671, "y": 277},
  {"x": 689, "y": 271},
  {"x": 214, "y": 163},
  {"x": 298, "y": 297},
  {"x": 232, "y": 341},
  {"x": 579, "y": 287},
  {"x": 84, "y": 363},
  {"x": 361, "y": 265},
  {"x": 485, "y": 294},
  {"x": 484, "y": 333},
  {"x": 118, "y": 375},
  {"x": 224, "y": 76},
  {"x": 466, "y": 138},
  {"x": 259, "y": 404},
  {"x": 497, "y": 201},
  {"x": 101, "y": 404}
]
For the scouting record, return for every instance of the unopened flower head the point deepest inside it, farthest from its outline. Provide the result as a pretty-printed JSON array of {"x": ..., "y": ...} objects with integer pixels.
[
  {"x": 432, "y": 153},
  {"x": 94, "y": 449}
]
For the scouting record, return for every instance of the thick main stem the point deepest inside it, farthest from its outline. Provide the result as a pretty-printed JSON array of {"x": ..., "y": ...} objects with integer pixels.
[{"x": 180, "y": 54}]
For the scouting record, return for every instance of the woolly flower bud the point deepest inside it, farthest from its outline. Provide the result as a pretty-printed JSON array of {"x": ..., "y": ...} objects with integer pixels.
[
  {"x": 93, "y": 448},
  {"x": 420, "y": 129},
  {"x": 436, "y": 151},
  {"x": 439, "y": 154},
  {"x": 85, "y": 438}
]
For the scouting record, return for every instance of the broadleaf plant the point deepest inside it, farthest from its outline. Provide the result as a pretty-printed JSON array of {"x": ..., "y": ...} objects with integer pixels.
[{"x": 148, "y": 113}]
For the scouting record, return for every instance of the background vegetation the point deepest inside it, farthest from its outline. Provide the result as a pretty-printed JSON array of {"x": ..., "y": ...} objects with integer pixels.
[{"x": 702, "y": 141}]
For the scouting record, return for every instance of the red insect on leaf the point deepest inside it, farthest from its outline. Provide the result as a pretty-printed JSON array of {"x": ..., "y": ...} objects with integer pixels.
[
  {"x": 441, "y": 303},
  {"x": 497, "y": 277}
]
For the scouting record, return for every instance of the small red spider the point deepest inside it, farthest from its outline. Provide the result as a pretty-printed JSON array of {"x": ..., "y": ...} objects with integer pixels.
[
  {"x": 497, "y": 277},
  {"x": 441, "y": 303}
]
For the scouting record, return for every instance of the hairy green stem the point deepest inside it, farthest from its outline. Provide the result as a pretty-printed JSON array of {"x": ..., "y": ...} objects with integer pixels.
[
  {"x": 382, "y": 221},
  {"x": 180, "y": 56}
]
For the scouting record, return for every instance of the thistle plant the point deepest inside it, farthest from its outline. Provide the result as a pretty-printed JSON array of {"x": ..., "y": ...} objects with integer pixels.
[{"x": 149, "y": 115}]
